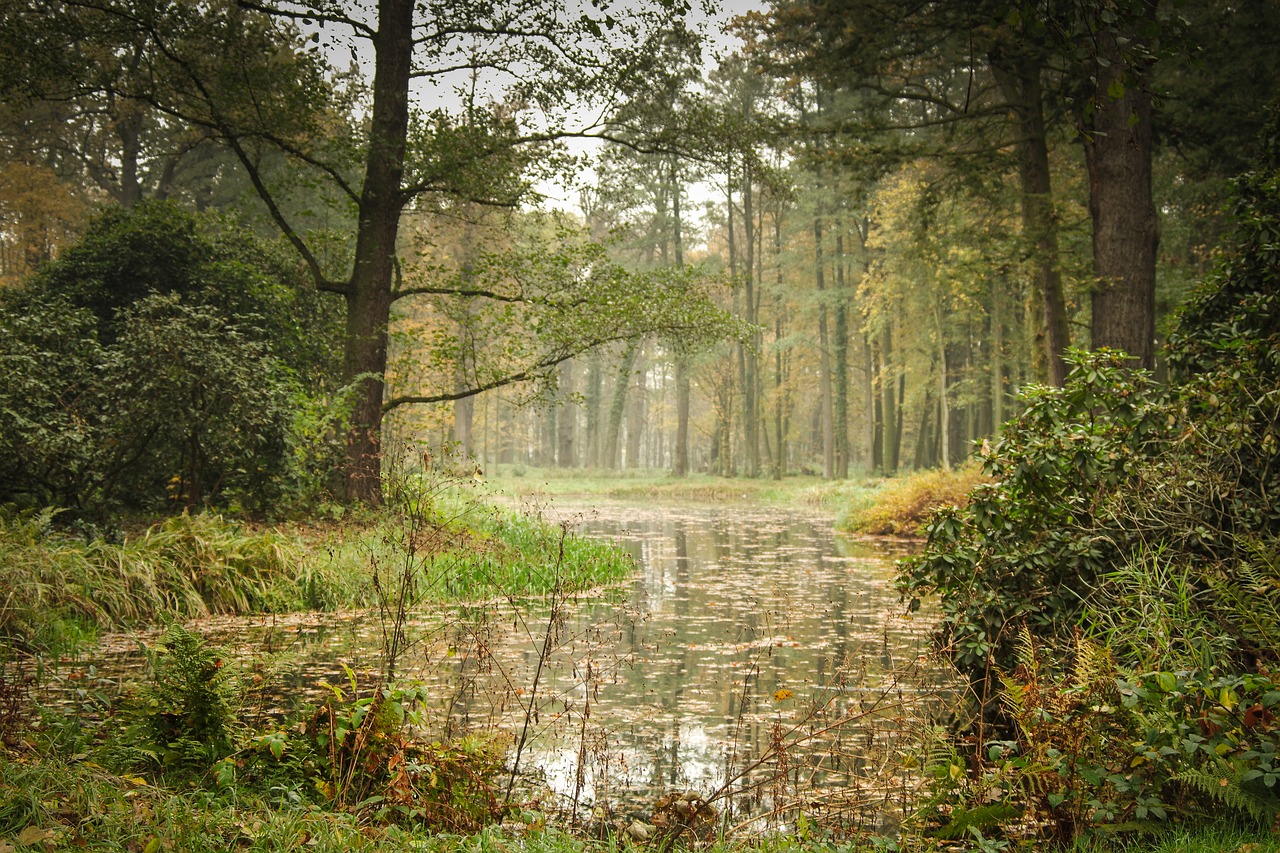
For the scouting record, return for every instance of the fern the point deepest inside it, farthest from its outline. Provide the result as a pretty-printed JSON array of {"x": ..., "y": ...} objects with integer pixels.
[{"x": 1225, "y": 784}]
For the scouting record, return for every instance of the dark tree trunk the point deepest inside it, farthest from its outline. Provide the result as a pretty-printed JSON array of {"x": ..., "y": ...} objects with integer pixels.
[
  {"x": 824, "y": 354},
  {"x": 618, "y": 407},
  {"x": 750, "y": 367},
  {"x": 1118, "y": 141},
  {"x": 369, "y": 293},
  {"x": 680, "y": 454},
  {"x": 1019, "y": 79},
  {"x": 567, "y": 414},
  {"x": 840, "y": 366}
]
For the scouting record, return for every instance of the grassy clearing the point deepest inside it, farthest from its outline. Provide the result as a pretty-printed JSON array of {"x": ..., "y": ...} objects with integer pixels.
[{"x": 643, "y": 484}]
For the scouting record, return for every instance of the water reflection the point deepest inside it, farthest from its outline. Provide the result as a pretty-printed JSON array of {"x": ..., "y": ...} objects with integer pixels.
[
  {"x": 755, "y": 656},
  {"x": 746, "y": 634}
]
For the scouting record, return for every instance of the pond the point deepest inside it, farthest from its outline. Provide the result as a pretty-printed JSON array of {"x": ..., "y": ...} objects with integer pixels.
[{"x": 756, "y": 659}]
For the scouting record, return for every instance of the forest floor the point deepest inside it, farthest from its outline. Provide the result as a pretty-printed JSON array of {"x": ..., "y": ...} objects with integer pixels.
[
  {"x": 57, "y": 794},
  {"x": 630, "y": 483}
]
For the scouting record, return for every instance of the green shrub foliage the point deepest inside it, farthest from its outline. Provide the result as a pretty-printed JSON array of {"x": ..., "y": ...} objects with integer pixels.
[
  {"x": 163, "y": 362},
  {"x": 1031, "y": 541},
  {"x": 1133, "y": 534}
]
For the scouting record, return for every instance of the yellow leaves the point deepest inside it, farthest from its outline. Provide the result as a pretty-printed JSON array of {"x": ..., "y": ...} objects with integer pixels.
[
  {"x": 38, "y": 215},
  {"x": 782, "y": 695},
  {"x": 33, "y": 835}
]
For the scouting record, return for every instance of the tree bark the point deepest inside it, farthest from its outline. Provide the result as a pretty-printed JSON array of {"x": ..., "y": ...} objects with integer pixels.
[
  {"x": 618, "y": 407},
  {"x": 680, "y": 453},
  {"x": 567, "y": 414},
  {"x": 840, "y": 366},
  {"x": 369, "y": 295},
  {"x": 1019, "y": 79},
  {"x": 824, "y": 353},
  {"x": 750, "y": 367},
  {"x": 1117, "y": 146}
]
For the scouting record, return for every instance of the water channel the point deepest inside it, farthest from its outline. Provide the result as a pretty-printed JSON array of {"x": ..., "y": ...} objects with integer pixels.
[{"x": 756, "y": 658}]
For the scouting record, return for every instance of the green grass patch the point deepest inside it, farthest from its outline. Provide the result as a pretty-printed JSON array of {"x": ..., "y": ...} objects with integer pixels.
[
  {"x": 49, "y": 804},
  {"x": 58, "y": 589},
  {"x": 1216, "y": 838},
  {"x": 900, "y": 506},
  {"x": 60, "y": 586},
  {"x": 645, "y": 484}
]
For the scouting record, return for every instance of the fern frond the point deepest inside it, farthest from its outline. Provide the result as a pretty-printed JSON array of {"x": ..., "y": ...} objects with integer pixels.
[
  {"x": 1024, "y": 651},
  {"x": 1223, "y": 783}
]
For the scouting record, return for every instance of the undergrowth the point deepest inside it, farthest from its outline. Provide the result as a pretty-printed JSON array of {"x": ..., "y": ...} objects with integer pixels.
[
  {"x": 60, "y": 589},
  {"x": 902, "y": 505}
]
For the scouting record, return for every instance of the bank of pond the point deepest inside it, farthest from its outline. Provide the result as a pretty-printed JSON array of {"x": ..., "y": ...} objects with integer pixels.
[{"x": 463, "y": 672}]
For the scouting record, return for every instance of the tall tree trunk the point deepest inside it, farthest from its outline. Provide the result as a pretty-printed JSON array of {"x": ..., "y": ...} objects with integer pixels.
[
  {"x": 368, "y": 296},
  {"x": 824, "y": 352},
  {"x": 870, "y": 458},
  {"x": 739, "y": 347},
  {"x": 888, "y": 405},
  {"x": 1117, "y": 147},
  {"x": 1019, "y": 79},
  {"x": 944, "y": 398},
  {"x": 618, "y": 406},
  {"x": 567, "y": 411},
  {"x": 464, "y": 408},
  {"x": 680, "y": 453},
  {"x": 750, "y": 407},
  {"x": 636, "y": 415},
  {"x": 840, "y": 365},
  {"x": 780, "y": 455},
  {"x": 594, "y": 399},
  {"x": 997, "y": 354}
]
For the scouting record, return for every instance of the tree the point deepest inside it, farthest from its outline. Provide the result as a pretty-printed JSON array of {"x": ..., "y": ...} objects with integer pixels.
[{"x": 243, "y": 76}]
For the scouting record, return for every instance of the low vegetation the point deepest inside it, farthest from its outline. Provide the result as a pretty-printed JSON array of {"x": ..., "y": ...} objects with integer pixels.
[
  {"x": 902, "y": 505},
  {"x": 62, "y": 587},
  {"x": 1112, "y": 593},
  {"x": 645, "y": 484}
]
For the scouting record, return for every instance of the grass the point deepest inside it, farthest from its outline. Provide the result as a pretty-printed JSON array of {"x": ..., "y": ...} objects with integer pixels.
[
  {"x": 632, "y": 483},
  {"x": 58, "y": 803},
  {"x": 1219, "y": 838},
  {"x": 52, "y": 804},
  {"x": 901, "y": 506},
  {"x": 59, "y": 590}
]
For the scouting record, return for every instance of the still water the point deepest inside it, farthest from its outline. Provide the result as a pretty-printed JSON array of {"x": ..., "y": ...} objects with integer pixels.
[{"x": 755, "y": 658}]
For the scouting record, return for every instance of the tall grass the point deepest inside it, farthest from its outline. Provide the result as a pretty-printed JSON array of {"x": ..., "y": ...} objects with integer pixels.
[
  {"x": 901, "y": 506},
  {"x": 182, "y": 567},
  {"x": 55, "y": 586}
]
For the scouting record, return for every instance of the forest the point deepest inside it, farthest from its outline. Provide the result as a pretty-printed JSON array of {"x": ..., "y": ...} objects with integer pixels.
[
  {"x": 515, "y": 239},
  {"x": 290, "y": 289}
]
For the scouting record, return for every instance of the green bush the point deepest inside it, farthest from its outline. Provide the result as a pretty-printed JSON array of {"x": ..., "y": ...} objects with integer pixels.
[
  {"x": 155, "y": 366},
  {"x": 1046, "y": 526},
  {"x": 1148, "y": 521}
]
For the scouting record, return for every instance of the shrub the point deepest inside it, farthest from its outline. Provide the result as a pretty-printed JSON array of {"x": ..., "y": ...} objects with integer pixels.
[
  {"x": 183, "y": 714},
  {"x": 902, "y": 506},
  {"x": 1045, "y": 527},
  {"x": 153, "y": 365},
  {"x": 360, "y": 752},
  {"x": 1095, "y": 750}
]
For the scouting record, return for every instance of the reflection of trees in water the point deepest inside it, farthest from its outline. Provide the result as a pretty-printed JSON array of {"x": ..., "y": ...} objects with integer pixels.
[{"x": 730, "y": 606}]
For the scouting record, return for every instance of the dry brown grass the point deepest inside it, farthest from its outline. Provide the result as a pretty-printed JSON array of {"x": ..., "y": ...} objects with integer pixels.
[{"x": 902, "y": 505}]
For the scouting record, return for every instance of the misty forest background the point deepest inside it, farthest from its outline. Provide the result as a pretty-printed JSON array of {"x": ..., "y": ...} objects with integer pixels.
[{"x": 253, "y": 252}]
